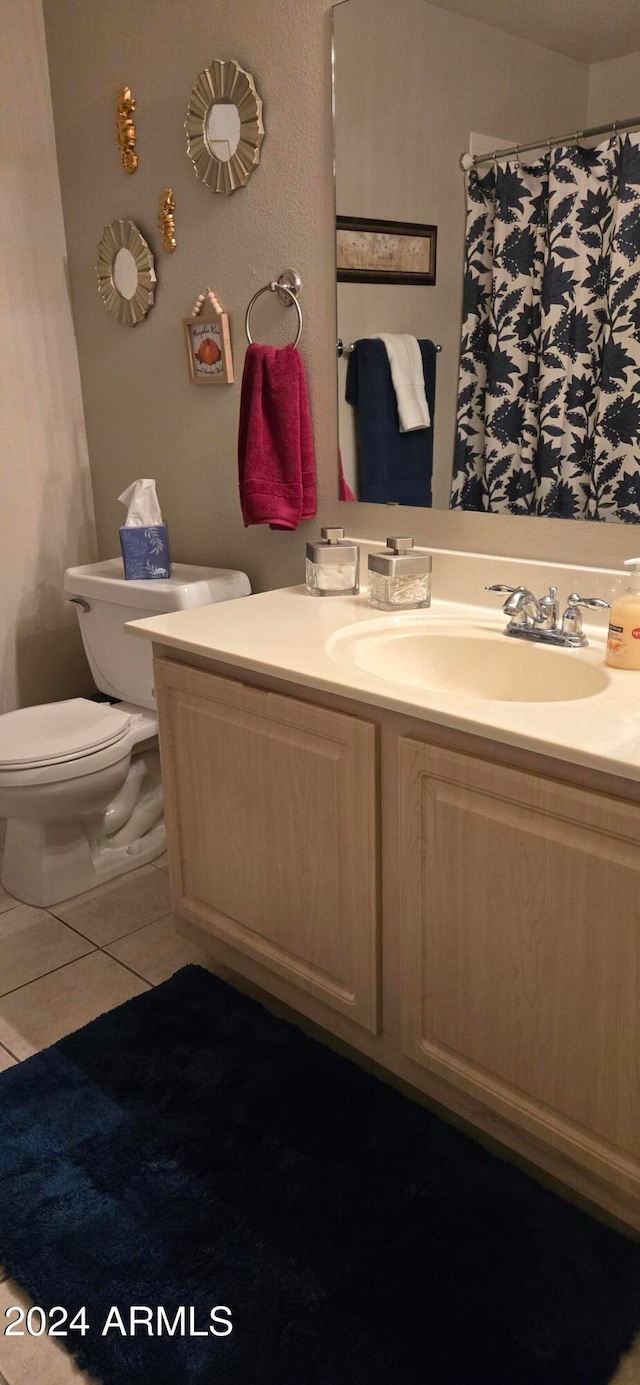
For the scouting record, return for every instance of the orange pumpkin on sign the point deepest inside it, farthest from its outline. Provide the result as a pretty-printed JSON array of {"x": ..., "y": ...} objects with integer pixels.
[{"x": 208, "y": 352}]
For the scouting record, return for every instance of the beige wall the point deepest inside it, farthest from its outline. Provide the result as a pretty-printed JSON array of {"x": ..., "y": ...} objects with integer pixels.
[
  {"x": 46, "y": 514},
  {"x": 614, "y": 89},
  {"x": 403, "y": 119},
  {"x": 143, "y": 417}
]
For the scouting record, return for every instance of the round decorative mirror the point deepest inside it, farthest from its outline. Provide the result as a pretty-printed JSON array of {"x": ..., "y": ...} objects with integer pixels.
[
  {"x": 126, "y": 272},
  {"x": 224, "y": 126}
]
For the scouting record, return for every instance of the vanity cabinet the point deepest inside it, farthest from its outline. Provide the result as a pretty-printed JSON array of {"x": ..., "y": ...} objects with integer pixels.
[
  {"x": 271, "y": 822},
  {"x": 503, "y": 978},
  {"x": 520, "y": 937}
]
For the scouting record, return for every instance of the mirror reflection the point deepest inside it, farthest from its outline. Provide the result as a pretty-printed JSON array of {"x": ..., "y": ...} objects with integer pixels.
[
  {"x": 125, "y": 273},
  {"x": 510, "y": 381},
  {"x": 223, "y": 129}
]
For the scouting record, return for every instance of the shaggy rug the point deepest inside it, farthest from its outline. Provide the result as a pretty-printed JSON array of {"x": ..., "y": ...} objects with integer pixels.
[{"x": 190, "y": 1153}]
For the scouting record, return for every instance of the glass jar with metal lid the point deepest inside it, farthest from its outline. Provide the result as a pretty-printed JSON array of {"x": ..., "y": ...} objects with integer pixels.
[
  {"x": 333, "y": 565},
  {"x": 399, "y": 578}
]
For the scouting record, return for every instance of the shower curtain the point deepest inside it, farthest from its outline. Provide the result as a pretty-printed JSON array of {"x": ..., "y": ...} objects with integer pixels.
[{"x": 549, "y": 393}]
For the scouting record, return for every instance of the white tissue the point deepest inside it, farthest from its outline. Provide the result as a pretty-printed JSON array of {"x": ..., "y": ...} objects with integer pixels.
[{"x": 142, "y": 501}]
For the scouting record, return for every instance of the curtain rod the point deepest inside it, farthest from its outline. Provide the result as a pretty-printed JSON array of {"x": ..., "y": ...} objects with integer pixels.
[{"x": 468, "y": 161}]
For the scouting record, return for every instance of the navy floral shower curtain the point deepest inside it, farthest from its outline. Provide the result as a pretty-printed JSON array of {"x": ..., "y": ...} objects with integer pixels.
[{"x": 549, "y": 394}]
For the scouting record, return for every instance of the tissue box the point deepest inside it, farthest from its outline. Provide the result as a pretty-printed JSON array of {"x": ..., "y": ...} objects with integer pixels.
[{"x": 145, "y": 552}]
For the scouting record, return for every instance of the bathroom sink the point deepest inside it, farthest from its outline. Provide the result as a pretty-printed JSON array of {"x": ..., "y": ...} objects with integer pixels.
[{"x": 469, "y": 661}]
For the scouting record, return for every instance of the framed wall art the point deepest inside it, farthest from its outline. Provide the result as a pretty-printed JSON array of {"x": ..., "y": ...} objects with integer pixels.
[
  {"x": 385, "y": 252},
  {"x": 208, "y": 342}
]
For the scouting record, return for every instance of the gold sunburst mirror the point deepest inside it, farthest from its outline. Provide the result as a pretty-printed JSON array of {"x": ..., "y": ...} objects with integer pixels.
[
  {"x": 224, "y": 126},
  {"x": 126, "y": 273}
]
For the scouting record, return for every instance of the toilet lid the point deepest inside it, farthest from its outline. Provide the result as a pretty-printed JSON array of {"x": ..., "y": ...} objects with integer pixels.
[{"x": 58, "y": 731}]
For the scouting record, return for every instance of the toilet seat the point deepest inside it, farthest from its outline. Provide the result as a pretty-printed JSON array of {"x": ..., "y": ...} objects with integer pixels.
[{"x": 59, "y": 733}]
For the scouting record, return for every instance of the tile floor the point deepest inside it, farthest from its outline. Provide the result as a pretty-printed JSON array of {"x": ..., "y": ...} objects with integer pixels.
[{"x": 60, "y": 968}]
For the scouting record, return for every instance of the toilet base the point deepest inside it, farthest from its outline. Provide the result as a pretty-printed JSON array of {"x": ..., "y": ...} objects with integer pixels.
[{"x": 46, "y": 862}]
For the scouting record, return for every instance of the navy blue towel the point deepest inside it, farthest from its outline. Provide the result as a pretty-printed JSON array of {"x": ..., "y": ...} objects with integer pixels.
[{"x": 393, "y": 466}]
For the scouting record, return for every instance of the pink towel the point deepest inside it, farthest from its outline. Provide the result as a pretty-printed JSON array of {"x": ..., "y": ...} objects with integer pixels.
[
  {"x": 344, "y": 489},
  {"x": 275, "y": 443}
]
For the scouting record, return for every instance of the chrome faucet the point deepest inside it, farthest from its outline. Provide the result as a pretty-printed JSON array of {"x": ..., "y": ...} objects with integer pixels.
[{"x": 533, "y": 618}]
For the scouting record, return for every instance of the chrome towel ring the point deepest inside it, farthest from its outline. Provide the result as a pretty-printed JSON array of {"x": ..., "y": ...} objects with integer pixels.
[{"x": 287, "y": 287}]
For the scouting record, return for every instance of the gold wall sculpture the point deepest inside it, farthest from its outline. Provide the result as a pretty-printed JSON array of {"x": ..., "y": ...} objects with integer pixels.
[
  {"x": 126, "y": 130},
  {"x": 166, "y": 220}
]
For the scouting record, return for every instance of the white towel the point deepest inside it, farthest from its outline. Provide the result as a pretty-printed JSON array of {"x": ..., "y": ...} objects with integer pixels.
[{"x": 407, "y": 375}]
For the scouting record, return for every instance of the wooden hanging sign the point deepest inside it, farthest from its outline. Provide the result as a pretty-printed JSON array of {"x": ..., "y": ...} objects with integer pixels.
[{"x": 208, "y": 341}]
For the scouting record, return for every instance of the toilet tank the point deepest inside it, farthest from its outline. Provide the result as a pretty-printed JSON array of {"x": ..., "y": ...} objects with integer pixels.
[{"x": 122, "y": 666}]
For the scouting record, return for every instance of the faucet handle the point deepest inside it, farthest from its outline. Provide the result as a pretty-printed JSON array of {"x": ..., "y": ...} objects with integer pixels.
[
  {"x": 572, "y": 618},
  {"x": 593, "y": 602}
]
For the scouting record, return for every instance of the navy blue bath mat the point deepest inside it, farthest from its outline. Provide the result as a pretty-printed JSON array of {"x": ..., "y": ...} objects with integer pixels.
[{"x": 190, "y": 1151}]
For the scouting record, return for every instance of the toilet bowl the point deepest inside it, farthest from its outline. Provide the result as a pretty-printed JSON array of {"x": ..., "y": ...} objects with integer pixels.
[
  {"x": 80, "y": 782},
  {"x": 63, "y": 768}
]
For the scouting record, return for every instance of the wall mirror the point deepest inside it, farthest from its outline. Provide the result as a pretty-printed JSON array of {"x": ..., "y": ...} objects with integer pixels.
[
  {"x": 509, "y": 382},
  {"x": 126, "y": 273},
  {"x": 224, "y": 126}
]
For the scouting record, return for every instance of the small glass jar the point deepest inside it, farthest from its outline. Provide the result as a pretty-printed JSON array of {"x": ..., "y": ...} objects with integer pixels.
[
  {"x": 332, "y": 565},
  {"x": 399, "y": 579}
]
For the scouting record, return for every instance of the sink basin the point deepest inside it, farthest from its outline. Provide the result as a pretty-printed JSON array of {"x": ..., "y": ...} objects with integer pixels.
[{"x": 469, "y": 661}]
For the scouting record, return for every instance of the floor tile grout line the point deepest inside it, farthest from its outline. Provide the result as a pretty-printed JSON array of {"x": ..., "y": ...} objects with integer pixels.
[
  {"x": 93, "y": 948},
  {"x": 17, "y": 904},
  {"x": 11, "y": 1053},
  {"x": 74, "y": 928},
  {"x": 126, "y": 965},
  {"x": 55, "y": 918}
]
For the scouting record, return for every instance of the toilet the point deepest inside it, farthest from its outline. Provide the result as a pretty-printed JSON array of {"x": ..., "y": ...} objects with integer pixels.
[{"x": 80, "y": 780}]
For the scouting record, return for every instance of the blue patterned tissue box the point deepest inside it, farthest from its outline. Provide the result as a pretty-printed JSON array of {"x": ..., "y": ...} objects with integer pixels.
[{"x": 145, "y": 552}]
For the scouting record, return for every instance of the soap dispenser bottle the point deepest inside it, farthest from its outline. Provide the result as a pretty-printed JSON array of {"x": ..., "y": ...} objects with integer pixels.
[
  {"x": 623, "y": 642},
  {"x": 333, "y": 565}
]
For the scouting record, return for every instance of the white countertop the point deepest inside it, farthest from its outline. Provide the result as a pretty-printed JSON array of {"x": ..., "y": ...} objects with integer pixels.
[{"x": 285, "y": 633}]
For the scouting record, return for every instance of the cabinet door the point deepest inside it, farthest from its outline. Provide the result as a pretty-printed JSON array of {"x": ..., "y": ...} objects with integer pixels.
[
  {"x": 272, "y": 830},
  {"x": 521, "y": 949}
]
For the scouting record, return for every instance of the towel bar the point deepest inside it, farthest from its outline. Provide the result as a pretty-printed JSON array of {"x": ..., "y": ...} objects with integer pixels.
[{"x": 343, "y": 350}]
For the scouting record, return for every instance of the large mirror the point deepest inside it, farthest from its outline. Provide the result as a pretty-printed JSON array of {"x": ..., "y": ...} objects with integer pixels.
[{"x": 505, "y": 378}]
